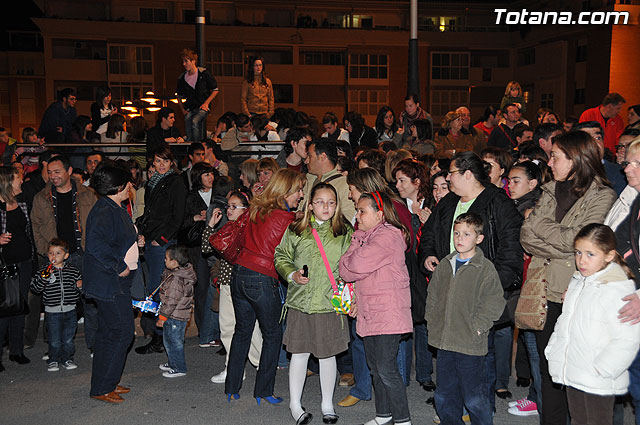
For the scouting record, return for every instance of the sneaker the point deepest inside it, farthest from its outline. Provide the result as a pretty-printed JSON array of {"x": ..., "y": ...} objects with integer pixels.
[
  {"x": 45, "y": 357},
  {"x": 214, "y": 343},
  {"x": 53, "y": 367},
  {"x": 164, "y": 367},
  {"x": 173, "y": 374},
  {"x": 69, "y": 365},
  {"x": 219, "y": 378},
  {"x": 81, "y": 320},
  {"x": 528, "y": 408},
  {"x": 517, "y": 402}
]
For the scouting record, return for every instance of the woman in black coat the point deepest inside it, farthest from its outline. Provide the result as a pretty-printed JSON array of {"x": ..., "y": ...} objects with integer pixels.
[
  {"x": 110, "y": 256},
  {"x": 472, "y": 191}
]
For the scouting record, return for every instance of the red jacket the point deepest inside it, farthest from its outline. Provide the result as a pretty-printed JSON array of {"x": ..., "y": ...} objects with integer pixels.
[
  {"x": 261, "y": 239},
  {"x": 612, "y": 129}
]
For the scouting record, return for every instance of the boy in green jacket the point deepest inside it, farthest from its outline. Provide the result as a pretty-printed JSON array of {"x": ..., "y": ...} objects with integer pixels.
[{"x": 464, "y": 298}]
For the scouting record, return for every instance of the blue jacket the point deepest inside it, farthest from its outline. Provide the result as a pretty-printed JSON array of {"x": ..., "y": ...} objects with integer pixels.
[{"x": 109, "y": 235}]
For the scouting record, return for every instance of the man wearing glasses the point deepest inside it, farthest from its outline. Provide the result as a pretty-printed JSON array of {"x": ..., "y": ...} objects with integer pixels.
[
  {"x": 628, "y": 136},
  {"x": 58, "y": 119}
]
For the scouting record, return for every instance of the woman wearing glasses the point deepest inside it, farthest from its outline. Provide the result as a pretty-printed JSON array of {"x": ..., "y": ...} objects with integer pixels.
[
  {"x": 472, "y": 191},
  {"x": 579, "y": 195}
]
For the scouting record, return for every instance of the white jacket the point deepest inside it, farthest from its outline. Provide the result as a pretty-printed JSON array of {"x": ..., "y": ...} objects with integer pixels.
[
  {"x": 590, "y": 349},
  {"x": 621, "y": 208}
]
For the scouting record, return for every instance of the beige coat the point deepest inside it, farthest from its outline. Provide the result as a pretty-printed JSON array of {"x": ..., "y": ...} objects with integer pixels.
[
  {"x": 544, "y": 238},
  {"x": 256, "y": 98}
]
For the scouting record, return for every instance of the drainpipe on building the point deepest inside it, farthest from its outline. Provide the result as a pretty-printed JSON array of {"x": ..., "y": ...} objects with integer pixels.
[{"x": 413, "y": 81}]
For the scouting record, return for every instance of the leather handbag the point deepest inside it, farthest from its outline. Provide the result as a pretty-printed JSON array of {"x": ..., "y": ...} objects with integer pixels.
[
  {"x": 12, "y": 303},
  {"x": 531, "y": 311},
  {"x": 229, "y": 239}
]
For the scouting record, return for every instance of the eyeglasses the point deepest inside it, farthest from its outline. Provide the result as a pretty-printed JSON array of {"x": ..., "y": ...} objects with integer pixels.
[
  {"x": 235, "y": 207},
  {"x": 634, "y": 164},
  {"x": 330, "y": 204},
  {"x": 621, "y": 148},
  {"x": 457, "y": 171}
]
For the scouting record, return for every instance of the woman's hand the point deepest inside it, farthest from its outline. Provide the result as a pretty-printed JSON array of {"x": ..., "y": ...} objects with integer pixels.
[
  {"x": 431, "y": 262},
  {"x": 424, "y": 214},
  {"x": 299, "y": 279},
  {"x": 5, "y": 238},
  {"x": 354, "y": 309},
  {"x": 125, "y": 272},
  {"x": 200, "y": 217},
  {"x": 215, "y": 217},
  {"x": 140, "y": 241},
  {"x": 154, "y": 243},
  {"x": 160, "y": 323}
]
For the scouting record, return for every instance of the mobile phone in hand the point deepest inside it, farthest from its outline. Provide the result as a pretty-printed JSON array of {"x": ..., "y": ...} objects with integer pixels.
[{"x": 305, "y": 271}]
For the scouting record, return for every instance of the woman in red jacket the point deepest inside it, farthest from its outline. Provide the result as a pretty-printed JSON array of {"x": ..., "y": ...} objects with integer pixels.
[{"x": 255, "y": 286}]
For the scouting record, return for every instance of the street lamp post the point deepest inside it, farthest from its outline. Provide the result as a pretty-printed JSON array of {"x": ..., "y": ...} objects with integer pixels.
[
  {"x": 200, "y": 42},
  {"x": 413, "y": 81}
]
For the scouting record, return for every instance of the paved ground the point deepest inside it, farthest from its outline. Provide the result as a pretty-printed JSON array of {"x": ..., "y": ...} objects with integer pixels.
[{"x": 31, "y": 395}]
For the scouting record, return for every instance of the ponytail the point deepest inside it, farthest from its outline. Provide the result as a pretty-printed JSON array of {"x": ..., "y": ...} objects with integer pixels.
[
  {"x": 618, "y": 259},
  {"x": 380, "y": 201}
]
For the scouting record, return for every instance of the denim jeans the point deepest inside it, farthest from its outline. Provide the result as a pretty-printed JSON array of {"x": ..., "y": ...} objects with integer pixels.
[
  {"x": 283, "y": 356},
  {"x": 195, "y": 125},
  {"x": 390, "y": 392},
  {"x": 61, "y": 328},
  {"x": 154, "y": 257},
  {"x": 634, "y": 385},
  {"x": 462, "y": 383},
  {"x": 404, "y": 358},
  {"x": 498, "y": 358},
  {"x": 206, "y": 319},
  {"x": 361, "y": 373},
  {"x": 115, "y": 336},
  {"x": 535, "y": 389},
  {"x": 174, "y": 344},
  {"x": 424, "y": 356},
  {"x": 255, "y": 296}
]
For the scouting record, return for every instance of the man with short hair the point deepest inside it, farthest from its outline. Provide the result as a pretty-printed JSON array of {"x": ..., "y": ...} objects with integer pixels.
[
  {"x": 467, "y": 128},
  {"x": 322, "y": 157},
  {"x": 57, "y": 120},
  {"x": 504, "y": 135},
  {"x": 195, "y": 152},
  {"x": 60, "y": 210},
  {"x": 198, "y": 87},
  {"x": 210, "y": 157},
  {"x": 544, "y": 134},
  {"x": 93, "y": 160},
  {"x": 628, "y": 136},
  {"x": 568, "y": 123},
  {"x": 613, "y": 171},
  {"x": 608, "y": 116},
  {"x": 163, "y": 132},
  {"x": 523, "y": 133},
  {"x": 332, "y": 131},
  {"x": 294, "y": 152}
]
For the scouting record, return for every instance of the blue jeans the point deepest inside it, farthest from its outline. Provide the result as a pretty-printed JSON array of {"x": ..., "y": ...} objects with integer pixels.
[
  {"x": 424, "y": 356},
  {"x": 404, "y": 358},
  {"x": 255, "y": 296},
  {"x": 154, "y": 256},
  {"x": 283, "y": 360},
  {"x": 174, "y": 344},
  {"x": 61, "y": 328},
  {"x": 206, "y": 320},
  {"x": 361, "y": 373},
  {"x": 114, "y": 337},
  {"x": 498, "y": 358},
  {"x": 462, "y": 383},
  {"x": 195, "y": 125},
  {"x": 535, "y": 389}
]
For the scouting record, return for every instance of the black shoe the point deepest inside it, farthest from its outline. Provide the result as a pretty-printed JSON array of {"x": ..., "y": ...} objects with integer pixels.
[
  {"x": 430, "y": 401},
  {"x": 221, "y": 352},
  {"x": 523, "y": 382},
  {"x": 305, "y": 418},
  {"x": 329, "y": 419},
  {"x": 428, "y": 386},
  {"x": 21, "y": 359},
  {"x": 155, "y": 346},
  {"x": 503, "y": 394}
]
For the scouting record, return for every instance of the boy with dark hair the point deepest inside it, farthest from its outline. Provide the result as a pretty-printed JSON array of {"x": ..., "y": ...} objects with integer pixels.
[
  {"x": 59, "y": 284},
  {"x": 176, "y": 295},
  {"x": 464, "y": 298}
]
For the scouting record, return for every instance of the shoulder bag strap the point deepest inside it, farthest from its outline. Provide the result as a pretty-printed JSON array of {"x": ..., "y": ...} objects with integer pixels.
[{"x": 325, "y": 260}]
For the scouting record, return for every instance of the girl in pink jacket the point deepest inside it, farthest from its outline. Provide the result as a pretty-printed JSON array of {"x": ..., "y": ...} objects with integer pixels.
[{"x": 375, "y": 262}]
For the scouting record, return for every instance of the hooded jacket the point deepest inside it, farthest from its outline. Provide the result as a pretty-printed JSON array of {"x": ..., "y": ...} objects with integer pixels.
[
  {"x": 590, "y": 349},
  {"x": 176, "y": 293}
]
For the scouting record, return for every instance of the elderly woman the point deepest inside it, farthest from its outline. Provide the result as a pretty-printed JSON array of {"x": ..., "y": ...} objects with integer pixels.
[
  {"x": 18, "y": 252},
  {"x": 623, "y": 219},
  {"x": 111, "y": 254},
  {"x": 579, "y": 195},
  {"x": 450, "y": 139}
]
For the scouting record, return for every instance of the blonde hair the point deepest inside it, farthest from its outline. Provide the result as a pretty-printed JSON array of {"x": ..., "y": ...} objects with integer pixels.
[
  {"x": 450, "y": 117},
  {"x": 339, "y": 225},
  {"x": 393, "y": 158},
  {"x": 283, "y": 183},
  {"x": 513, "y": 85},
  {"x": 633, "y": 147},
  {"x": 7, "y": 174}
]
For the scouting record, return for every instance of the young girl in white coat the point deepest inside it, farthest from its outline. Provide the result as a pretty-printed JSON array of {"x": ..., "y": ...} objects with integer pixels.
[{"x": 590, "y": 350}]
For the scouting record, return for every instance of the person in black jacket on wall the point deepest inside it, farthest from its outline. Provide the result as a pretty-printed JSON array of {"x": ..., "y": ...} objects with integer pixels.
[
  {"x": 472, "y": 191},
  {"x": 164, "y": 199}
]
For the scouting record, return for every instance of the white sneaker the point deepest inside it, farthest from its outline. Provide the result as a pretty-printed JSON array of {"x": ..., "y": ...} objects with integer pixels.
[
  {"x": 69, "y": 365},
  {"x": 173, "y": 374},
  {"x": 53, "y": 367},
  {"x": 164, "y": 367},
  {"x": 45, "y": 357},
  {"x": 219, "y": 378}
]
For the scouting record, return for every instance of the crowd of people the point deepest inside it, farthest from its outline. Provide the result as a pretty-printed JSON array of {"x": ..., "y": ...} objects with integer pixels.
[{"x": 432, "y": 233}]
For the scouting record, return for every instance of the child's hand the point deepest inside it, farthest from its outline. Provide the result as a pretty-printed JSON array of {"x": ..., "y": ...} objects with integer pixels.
[
  {"x": 79, "y": 283},
  {"x": 160, "y": 323},
  {"x": 479, "y": 333},
  {"x": 354, "y": 309},
  {"x": 299, "y": 279},
  {"x": 215, "y": 217}
]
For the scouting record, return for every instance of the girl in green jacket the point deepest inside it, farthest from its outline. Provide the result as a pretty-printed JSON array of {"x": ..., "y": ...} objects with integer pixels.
[{"x": 313, "y": 327}]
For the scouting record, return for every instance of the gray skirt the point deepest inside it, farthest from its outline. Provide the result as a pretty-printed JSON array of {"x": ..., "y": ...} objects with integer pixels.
[{"x": 321, "y": 334}]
